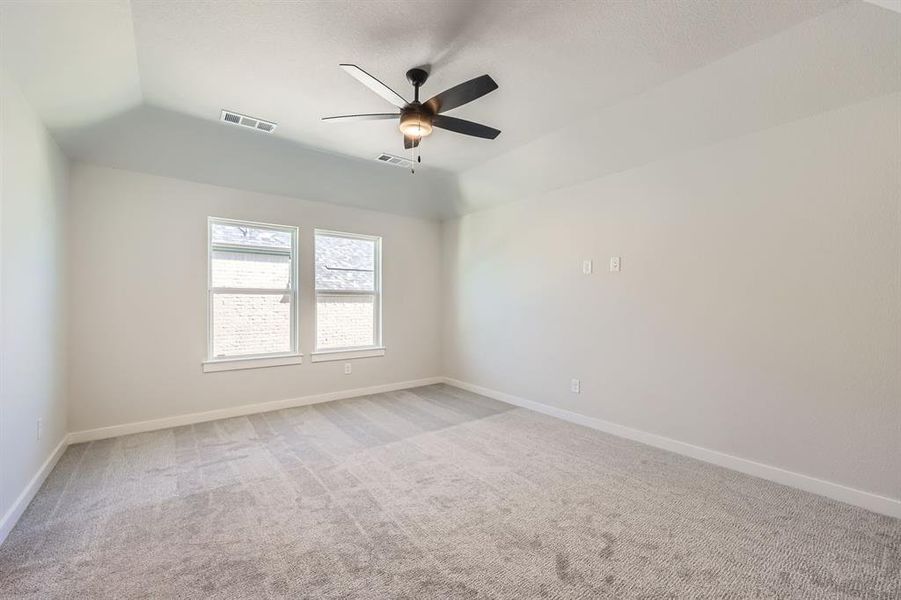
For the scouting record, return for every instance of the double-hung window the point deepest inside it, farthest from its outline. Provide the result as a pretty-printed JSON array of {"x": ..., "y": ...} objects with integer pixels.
[
  {"x": 348, "y": 296},
  {"x": 252, "y": 295}
]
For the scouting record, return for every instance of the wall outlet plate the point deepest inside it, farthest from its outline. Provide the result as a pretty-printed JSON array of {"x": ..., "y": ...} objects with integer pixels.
[
  {"x": 575, "y": 386},
  {"x": 348, "y": 367}
]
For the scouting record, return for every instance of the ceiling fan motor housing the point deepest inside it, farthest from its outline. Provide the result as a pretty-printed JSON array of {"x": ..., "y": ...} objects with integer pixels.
[
  {"x": 416, "y": 120},
  {"x": 415, "y": 117}
]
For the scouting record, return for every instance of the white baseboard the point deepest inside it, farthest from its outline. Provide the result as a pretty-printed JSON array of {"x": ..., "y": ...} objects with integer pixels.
[
  {"x": 12, "y": 515},
  {"x": 867, "y": 500},
  {"x": 100, "y": 433},
  {"x": 18, "y": 507}
]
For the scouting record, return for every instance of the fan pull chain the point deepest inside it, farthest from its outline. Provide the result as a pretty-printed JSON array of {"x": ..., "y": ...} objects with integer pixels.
[{"x": 415, "y": 157}]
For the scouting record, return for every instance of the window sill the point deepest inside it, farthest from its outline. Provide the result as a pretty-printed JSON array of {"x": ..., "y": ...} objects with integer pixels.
[
  {"x": 233, "y": 364},
  {"x": 326, "y": 355}
]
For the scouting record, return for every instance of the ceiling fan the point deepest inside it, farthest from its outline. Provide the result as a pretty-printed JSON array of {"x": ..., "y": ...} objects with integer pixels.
[{"x": 416, "y": 119}]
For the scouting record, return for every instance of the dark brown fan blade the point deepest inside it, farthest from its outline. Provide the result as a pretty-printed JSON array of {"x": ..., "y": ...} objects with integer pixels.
[
  {"x": 410, "y": 142},
  {"x": 365, "y": 117},
  {"x": 375, "y": 85},
  {"x": 461, "y": 94},
  {"x": 465, "y": 127}
]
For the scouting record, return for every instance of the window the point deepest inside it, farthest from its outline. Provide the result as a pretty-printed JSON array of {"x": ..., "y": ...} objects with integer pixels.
[
  {"x": 252, "y": 293},
  {"x": 348, "y": 296}
]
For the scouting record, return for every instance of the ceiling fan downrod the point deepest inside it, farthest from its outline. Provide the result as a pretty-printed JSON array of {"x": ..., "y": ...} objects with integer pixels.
[{"x": 417, "y": 77}]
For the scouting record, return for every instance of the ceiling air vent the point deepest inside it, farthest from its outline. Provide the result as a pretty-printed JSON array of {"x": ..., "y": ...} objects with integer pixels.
[
  {"x": 397, "y": 161},
  {"x": 248, "y": 122}
]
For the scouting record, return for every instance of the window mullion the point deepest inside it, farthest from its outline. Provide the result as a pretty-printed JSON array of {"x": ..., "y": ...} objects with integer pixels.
[
  {"x": 348, "y": 292},
  {"x": 252, "y": 291},
  {"x": 251, "y": 249}
]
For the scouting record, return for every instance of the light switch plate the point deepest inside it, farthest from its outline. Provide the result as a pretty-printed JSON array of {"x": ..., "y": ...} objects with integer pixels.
[
  {"x": 615, "y": 264},
  {"x": 586, "y": 266}
]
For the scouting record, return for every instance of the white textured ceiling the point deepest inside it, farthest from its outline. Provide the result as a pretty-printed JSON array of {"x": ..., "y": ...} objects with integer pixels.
[
  {"x": 551, "y": 59},
  {"x": 586, "y": 87}
]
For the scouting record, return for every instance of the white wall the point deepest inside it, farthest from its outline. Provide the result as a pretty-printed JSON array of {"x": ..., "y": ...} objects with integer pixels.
[
  {"x": 32, "y": 291},
  {"x": 758, "y": 312},
  {"x": 138, "y": 300}
]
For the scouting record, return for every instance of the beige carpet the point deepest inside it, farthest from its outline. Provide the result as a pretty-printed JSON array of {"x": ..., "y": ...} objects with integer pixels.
[{"x": 428, "y": 493}]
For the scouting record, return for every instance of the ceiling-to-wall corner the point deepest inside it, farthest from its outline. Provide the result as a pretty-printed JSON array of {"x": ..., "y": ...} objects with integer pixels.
[
  {"x": 75, "y": 62},
  {"x": 138, "y": 85},
  {"x": 893, "y": 5},
  {"x": 163, "y": 142},
  {"x": 847, "y": 55}
]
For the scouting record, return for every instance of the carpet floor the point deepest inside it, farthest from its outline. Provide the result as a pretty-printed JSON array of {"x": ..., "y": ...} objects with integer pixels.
[{"x": 428, "y": 493}]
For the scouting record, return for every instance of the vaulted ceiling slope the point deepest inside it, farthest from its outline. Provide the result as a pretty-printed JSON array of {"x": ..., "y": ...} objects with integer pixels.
[{"x": 586, "y": 88}]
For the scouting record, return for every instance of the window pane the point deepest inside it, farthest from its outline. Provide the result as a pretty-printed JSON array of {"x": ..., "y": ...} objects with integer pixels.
[
  {"x": 345, "y": 263},
  {"x": 249, "y": 270},
  {"x": 251, "y": 324},
  {"x": 246, "y": 235},
  {"x": 345, "y": 321}
]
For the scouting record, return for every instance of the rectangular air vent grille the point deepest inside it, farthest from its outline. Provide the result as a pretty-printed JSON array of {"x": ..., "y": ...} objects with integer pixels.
[
  {"x": 397, "y": 161},
  {"x": 247, "y": 121}
]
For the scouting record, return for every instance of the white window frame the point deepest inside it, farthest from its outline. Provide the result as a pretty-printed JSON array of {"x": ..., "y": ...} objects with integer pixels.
[
  {"x": 250, "y": 361},
  {"x": 377, "y": 349}
]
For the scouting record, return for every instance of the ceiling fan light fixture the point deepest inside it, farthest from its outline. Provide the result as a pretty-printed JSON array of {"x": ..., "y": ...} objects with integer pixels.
[
  {"x": 412, "y": 124},
  {"x": 418, "y": 118}
]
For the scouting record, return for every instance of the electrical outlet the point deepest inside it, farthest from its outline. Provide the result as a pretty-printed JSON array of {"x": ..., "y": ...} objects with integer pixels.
[
  {"x": 615, "y": 264},
  {"x": 575, "y": 386},
  {"x": 40, "y": 428},
  {"x": 586, "y": 266},
  {"x": 347, "y": 368}
]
